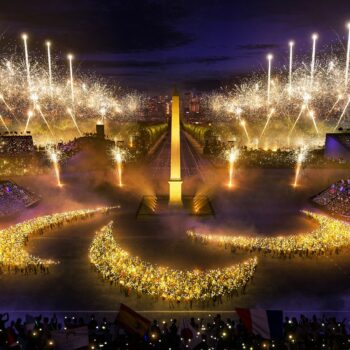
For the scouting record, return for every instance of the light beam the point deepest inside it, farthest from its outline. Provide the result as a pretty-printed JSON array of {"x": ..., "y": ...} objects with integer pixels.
[
  {"x": 314, "y": 39},
  {"x": 347, "y": 60},
  {"x": 272, "y": 111},
  {"x": 25, "y": 38},
  {"x": 291, "y": 44},
  {"x": 269, "y": 59},
  {"x": 48, "y": 44},
  {"x": 70, "y": 59}
]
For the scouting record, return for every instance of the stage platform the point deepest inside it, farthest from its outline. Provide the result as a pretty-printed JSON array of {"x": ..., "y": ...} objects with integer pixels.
[{"x": 157, "y": 206}]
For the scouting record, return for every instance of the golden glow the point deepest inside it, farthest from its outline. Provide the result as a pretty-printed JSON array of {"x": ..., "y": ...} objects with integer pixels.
[
  {"x": 342, "y": 114},
  {"x": 300, "y": 159},
  {"x": 3, "y": 122},
  {"x": 25, "y": 38},
  {"x": 313, "y": 58},
  {"x": 175, "y": 182},
  {"x": 331, "y": 235},
  {"x": 13, "y": 239},
  {"x": 232, "y": 158},
  {"x": 346, "y": 79},
  {"x": 54, "y": 157},
  {"x": 302, "y": 109},
  {"x": 70, "y": 59},
  {"x": 29, "y": 116},
  {"x": 291, "y": 44},
  {"x": 313, "y": 118},
  {"x": 117, "y": 154},
  {"x": 244, "y": 126},
  {"x": 48, "y": 44},
  {"x": 269, "y": 58},
  {"x": 118, "y": 266},
  {"x": 272, "y": 111},
  {"x": 70, "y": 112}
]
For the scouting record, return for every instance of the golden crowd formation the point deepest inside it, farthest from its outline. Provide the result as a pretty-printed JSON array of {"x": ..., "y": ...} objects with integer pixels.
[
  {"x": 14, "y": 257},
  {"x": 132, "y": 273},
  {"x": 329, "y": 237}
]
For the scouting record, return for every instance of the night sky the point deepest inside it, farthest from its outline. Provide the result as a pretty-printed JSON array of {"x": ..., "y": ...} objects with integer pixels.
[{"x": 149, "y": 45}]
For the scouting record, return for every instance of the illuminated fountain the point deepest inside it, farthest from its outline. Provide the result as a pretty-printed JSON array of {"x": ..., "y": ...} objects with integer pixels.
[
  {"x": 232, "y": 158},
  {"x": 54, "y": 157},
  {"x": 300, "y": 160},
  {"x": 118, "y": 159},
  {"x": 131, "y": 141}
]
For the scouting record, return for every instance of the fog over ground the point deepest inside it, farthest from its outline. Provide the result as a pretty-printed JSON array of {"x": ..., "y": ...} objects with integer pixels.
[{"x": 262, "y": 201}]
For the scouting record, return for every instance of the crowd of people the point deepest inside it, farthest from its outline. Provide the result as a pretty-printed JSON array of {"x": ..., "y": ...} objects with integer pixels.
[
  {"x": 336, "y": 198},
  {"x": 16, "y": 144},
  {"x": 213, "y": 332},
  {"x": 13, "y": 255},
  {"x": 133, "y": 274},
  {"x": 329, "y": 237},
  {"x": 21, "y": 165},
  {"x": 278, "y": 158},
  {"x": 20, "y": 160},
  {"x": 13, "y": 198}
]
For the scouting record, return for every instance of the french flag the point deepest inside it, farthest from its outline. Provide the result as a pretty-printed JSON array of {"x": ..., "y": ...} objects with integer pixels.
[{"x": 267, "y": 323}]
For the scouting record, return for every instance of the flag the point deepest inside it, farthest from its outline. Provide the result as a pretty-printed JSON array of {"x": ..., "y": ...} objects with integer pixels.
[
  {"x": 267, "y": 323},
  {"x": 71, "y": 339},
  {"x": 189, "y": 334},
  {"x": 132, "y": 321}
]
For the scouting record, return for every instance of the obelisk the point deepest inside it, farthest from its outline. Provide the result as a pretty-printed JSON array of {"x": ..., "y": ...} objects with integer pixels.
[{"x": 175, "y": 182}]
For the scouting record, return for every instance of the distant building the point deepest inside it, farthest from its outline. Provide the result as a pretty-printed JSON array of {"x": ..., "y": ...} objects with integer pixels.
[
  {"x": 94, "y": 152},
  {"x": 187, "y": 101},
  {"x": 194, "y": 105},
  {"x": 97, "y": 141},
  {"x": 156, "y": 108},
  {"x": 338, "y": 146},
  {"x": 100, "y": 130}
]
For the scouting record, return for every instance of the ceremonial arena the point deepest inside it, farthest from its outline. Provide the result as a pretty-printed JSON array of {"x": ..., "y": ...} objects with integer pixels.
[
  {"x": 264, "y": 194},
  {"x": 142, "y": 207}
]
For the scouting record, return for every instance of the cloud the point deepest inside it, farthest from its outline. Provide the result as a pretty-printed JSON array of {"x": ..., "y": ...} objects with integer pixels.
[
  {"x": 115, "y": 63},
  {"x": 98, "y": 25},
  {"x": 257, "y": 46}
]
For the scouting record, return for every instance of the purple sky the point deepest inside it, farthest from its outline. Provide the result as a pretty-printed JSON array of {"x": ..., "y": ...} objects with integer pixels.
[{"x": 151, "y": 45}]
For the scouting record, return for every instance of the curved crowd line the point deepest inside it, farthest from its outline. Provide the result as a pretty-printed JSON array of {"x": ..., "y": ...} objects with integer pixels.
[
  {"x": 135, "y": 274},
  {"x": 13, "y": 255},
  {"x": 329, "y": 237}
]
